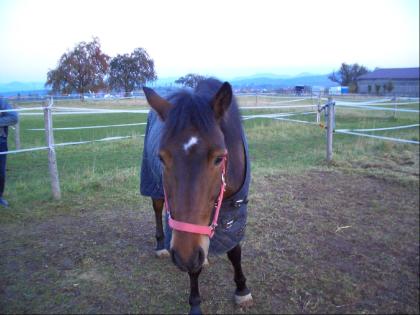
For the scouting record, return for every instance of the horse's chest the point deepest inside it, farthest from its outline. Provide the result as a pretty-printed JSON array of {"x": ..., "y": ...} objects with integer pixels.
[{"x": 230, "y": 229}]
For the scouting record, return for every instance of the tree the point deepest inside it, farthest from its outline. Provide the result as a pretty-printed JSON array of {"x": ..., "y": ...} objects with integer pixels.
[
  {"x": 347, "y": 75},
  {"x": 190, "y": 80},
  {"x": 80, "y": 70},
  {"x": 131, "y": 71}
]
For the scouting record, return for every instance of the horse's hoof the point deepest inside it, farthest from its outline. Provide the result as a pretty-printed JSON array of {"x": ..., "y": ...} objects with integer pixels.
[
  {"x": 206, "y": 263},
  {"x": 162, "y": 253},
  {"x": 195, "y": 310},
  {"x": 243, "y": 301}
]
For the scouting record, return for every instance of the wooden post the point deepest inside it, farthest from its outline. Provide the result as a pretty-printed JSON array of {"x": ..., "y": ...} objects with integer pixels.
[
  {"x": 318, "y": 109},
  {"x": 17, "y": 135},
  {"x": 395, "y": 106},
  {"x": 330, "y": 128},
  {"x": 52, "y": 160}
]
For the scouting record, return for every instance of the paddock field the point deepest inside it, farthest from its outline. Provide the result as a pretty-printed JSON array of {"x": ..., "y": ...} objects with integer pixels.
[{"x": 338, "y": 238}]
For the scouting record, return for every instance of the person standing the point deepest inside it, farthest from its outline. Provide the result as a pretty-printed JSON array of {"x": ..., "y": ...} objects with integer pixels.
[{"x": 7, "y": 118}]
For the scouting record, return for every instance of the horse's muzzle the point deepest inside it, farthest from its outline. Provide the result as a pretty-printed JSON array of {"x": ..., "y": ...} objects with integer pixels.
[{"x": 193, "y": 264}]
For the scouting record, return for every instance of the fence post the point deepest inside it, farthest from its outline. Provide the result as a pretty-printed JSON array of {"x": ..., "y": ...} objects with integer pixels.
[
  {"x": 52, "y": 160},
  {"x": 395, "y": 106},
  {"x": 318, "y": 109},
  {"x": 17, "y": 134},
  {"x": 330, "y": 128}
]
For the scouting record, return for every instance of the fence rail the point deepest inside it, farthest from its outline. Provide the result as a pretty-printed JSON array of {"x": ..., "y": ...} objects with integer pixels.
[{"x": 48, "y": 111}]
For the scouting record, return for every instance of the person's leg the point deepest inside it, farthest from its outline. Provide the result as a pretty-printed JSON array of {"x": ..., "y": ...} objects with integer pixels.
[{"x": 3, "y": 157}]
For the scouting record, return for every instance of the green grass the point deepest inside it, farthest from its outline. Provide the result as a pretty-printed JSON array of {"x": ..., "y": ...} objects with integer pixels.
[
  {"x": 108, "y": 171},
  {"x": 33, "y": 138}
]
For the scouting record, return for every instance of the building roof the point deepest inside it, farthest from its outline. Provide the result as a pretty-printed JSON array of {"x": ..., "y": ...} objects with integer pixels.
[{"x": 392, "y": 73}]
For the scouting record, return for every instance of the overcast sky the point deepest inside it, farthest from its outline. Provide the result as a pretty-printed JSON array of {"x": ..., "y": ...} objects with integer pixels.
[{"x": 222, "y": 38}]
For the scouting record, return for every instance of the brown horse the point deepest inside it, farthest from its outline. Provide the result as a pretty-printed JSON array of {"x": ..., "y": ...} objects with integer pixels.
[{"x": 195, "y": 162}]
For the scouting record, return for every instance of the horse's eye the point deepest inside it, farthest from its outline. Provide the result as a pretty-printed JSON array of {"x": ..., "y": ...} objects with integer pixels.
[
  {"x": 218, "y": 160},
  {"x": 161, "y": 160}
]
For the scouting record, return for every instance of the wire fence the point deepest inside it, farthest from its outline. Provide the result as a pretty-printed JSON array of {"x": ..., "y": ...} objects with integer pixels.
[
  {"x": 48, "y": 110},
  {"x": 375, "y": 105}
]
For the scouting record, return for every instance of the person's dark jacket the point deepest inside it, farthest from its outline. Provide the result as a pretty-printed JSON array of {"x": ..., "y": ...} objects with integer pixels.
[{"x": 6, "y": 118}]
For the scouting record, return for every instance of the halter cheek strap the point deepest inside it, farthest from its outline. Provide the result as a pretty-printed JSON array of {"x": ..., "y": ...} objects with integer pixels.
[{"x": 195, "y": 228}]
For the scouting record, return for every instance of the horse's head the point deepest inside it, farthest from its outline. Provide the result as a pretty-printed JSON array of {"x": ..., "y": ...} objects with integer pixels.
[{"x": 192, "y": 152}]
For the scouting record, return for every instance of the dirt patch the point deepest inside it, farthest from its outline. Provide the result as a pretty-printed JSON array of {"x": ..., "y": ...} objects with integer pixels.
[
  {"x": 352, "y": 241},
  {"x": 317, "y": 242}
]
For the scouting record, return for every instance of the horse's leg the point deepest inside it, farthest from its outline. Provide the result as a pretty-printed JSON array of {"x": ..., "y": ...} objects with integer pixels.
[
  {"x": 242, "y": 294},
  {"x": 194, "y": 299},
  {"x": 160, "y": 237}
]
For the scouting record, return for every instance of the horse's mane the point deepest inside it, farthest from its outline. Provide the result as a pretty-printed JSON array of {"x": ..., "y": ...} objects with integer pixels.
[{"x": 191, "y": 108}]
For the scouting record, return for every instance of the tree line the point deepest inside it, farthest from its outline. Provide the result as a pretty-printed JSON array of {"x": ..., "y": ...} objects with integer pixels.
[
  {"x": 87, "y": 68},
  {"x": 346, "y": 75}
]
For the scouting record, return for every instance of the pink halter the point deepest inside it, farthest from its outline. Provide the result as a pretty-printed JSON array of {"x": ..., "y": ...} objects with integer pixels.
[{"x": 195, "y": 228}]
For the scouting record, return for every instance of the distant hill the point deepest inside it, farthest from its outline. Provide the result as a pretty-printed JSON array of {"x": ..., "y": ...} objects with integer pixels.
[
  {"x": 262, "y": 81},
  {"x": 256, "y": 81},
  {"x": 262, "y": 75},
  {"x": 166, "y": 81},
  {"x": 267, "y": 80},
  {"x": 21, "y": 86}
]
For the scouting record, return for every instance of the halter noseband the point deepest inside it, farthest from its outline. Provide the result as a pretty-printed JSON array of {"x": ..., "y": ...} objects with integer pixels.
[{"x": 195, "y": 228}]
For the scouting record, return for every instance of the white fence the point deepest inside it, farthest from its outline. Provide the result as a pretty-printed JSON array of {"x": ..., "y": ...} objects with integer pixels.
[{"x": 48, "y": 108}]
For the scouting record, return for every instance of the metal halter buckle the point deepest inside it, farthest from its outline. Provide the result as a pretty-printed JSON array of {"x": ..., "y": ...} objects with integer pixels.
[
  {"x": 240, "y": 202},
  {"x": 223, "y": 181},
  {"x": 237, "y": 203}
]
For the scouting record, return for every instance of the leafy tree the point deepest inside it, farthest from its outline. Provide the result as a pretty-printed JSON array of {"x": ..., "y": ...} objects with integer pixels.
[
  {"x": 131, "y": 71},
  {"x": 190, "y": 80},
  {"x": 347, "y": 75},
  {"x": 80, "y": 70}
]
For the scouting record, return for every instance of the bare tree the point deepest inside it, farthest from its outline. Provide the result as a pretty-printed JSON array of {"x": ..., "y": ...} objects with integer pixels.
[
  {"x": 80, "y": 70},
  {"x": 347, "y": 75}
]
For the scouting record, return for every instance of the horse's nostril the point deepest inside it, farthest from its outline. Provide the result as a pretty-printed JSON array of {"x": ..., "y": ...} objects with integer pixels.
[
  {"x": 197, "y": 260},
  {"x": 193, "y": 264},
  {"x": 177, "y": 260}
]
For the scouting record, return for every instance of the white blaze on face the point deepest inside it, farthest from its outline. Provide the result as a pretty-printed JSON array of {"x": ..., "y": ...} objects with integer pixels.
[{"x": 190, "y": 143}]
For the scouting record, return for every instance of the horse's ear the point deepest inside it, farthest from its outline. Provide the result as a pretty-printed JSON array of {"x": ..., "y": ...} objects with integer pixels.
[
  {"x": 221, "y": 101},
  {"x": 158, "y": 103}
]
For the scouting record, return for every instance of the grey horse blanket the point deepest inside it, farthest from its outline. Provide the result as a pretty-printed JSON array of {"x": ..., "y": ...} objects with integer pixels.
[{"x": 233, "y": 213}]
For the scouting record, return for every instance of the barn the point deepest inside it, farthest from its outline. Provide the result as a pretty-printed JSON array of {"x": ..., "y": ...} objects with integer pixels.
[{"x": 390, "y": 81}]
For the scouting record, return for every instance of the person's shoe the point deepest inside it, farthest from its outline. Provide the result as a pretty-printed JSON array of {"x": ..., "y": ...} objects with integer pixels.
[{"x": 3, "y": 202}]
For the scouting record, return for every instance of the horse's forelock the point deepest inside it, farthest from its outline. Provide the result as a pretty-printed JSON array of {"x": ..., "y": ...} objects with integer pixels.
[{"x": 190, "y": 110}]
